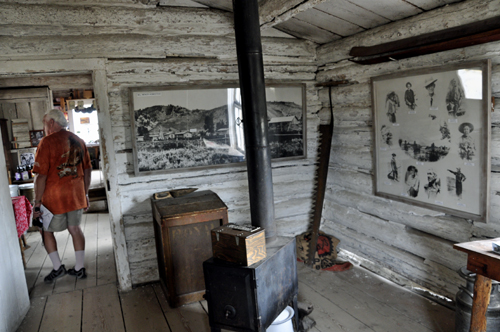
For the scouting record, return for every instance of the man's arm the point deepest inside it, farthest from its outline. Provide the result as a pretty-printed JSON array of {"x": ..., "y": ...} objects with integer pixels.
[
  {"x": 87, "y": 176},
  {"x": 39, "y": 183}
]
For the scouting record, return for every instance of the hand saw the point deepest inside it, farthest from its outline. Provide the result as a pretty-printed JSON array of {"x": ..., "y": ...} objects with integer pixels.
[{"x": 325, "y": 134}]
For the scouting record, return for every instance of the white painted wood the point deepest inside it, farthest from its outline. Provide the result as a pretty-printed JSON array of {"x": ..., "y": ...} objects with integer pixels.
[
  {"x": 302, "y": 29},
  {"x": 180, "y": 3},
  {"x": 399, "y": 236},
  {"x": 273, "y": 12},
  {"x": 426, "y": 220},
  {"x": 391, "y": 9},
  {"x": 140, "y": 46},
  {"x": 70, "y": 20},
  {"x": 430, "y": 4},
  {"x": 14, "y": 299},
  {"x": 108, "y": 162},
  {"x": 54, "y": 82},
  {"x": 384, "y": 260},
  {"x": 114, "y": 3},
  {"x": 352, "y": 13},
  {"x": 329, "y": 22},
  {"x": 445, "y": 17}
]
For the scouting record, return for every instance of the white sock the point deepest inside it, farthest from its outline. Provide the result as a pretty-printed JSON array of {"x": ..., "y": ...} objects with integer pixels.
[
  {"x": 80, "y": 258},
  {"x": 56, "y": 261}
]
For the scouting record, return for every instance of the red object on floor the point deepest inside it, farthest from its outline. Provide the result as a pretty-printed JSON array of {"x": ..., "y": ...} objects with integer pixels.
[{"x": 23, "y": 213}]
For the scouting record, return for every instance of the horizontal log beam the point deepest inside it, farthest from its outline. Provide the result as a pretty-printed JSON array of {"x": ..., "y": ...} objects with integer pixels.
[
  {"x": 144, "y": 47},
  {"x": 26, "y": 20},
  {"x": 471, "y": 40},
  {"x": 437, "y": 37}
]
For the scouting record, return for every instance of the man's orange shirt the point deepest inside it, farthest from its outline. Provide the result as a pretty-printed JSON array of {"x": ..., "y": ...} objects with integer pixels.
[{"x": 63, "y": 156}]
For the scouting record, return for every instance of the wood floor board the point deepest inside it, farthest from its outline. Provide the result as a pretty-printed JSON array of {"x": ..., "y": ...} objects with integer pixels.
[
  {"x": 102, "y": 310},
  {"x": 195, "y": 317},
  {"x": 142, "y": 311},
  {"x": 349, "y": 301},
  {"x": 33, "y": 318},
  {"x": 175, "y": 320},
  {"x": 63, "y": 313},
  {"x": 41, "y": 288},
  {"x": 33, "y": 241},
  {"x": 424, "y": 311},
  {"x": 35, "y": 262},
  {"x": 106, "y": 267},
  {"x": 90, "y": 232},
  {"x": 376, "y": 314},
  {"x": 329, "y": 316},
  {"x": 66, "y": 283}
]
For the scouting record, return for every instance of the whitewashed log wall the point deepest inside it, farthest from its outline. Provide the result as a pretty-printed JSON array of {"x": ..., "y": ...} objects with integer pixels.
[
  {"x": 399, "y": 239},
  {"x": 146, "y": 46},
  {"x": 293, "y": 180}
]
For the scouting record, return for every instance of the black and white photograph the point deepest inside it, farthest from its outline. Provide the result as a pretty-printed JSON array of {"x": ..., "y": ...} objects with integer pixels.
[
  {"x": 439, "y": 156},
  {"x": 35, "y": 137},
  {"x": 26, "y": 157},
  {"x": 176, "y": 129}
]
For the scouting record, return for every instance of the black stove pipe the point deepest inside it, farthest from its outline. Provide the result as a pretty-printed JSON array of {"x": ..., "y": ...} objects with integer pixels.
[{"x": 253, "y": 97}]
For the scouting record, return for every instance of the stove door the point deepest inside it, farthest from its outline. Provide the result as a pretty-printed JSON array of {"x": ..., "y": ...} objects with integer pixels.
[{"x": 230, "y": 293}]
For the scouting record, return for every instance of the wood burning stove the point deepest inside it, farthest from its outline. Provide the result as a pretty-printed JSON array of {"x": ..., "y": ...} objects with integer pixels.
[{"x": 250, "y": 298}]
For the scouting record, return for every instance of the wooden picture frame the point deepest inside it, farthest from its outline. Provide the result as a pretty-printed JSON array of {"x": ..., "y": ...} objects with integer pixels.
[
  {"x": 26, "y": 156},
  {"x": 432, "y": 138},
  {"x": 35, "y": 137},
  {"x": 183, "y": 128}
]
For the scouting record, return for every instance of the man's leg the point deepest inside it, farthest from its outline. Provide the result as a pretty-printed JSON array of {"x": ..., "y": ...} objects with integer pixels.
[
  {"x": 74, "y": 220},
  {"x": 51, "y": 248},
  {"x": 79, "y": 245}
]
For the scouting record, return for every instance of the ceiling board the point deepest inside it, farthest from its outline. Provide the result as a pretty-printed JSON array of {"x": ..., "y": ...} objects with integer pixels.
[
  {"x": 391, "y": 9},
  {"x": 328, "y": 22},
  {"x": 352, "y": 13},
  {"x": 431, "y": 4},
  {"x": 304, "y": 30}
]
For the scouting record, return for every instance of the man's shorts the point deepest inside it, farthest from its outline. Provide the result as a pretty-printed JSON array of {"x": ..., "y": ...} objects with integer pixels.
[{"x": 60, "y": 222}]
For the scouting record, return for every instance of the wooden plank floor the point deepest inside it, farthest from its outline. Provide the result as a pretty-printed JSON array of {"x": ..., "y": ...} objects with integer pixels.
[{"x": 354, "y": 300}]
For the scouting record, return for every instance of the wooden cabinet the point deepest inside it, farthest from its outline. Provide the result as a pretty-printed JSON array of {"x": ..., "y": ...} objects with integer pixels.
[{"x": 183, "y": 242}]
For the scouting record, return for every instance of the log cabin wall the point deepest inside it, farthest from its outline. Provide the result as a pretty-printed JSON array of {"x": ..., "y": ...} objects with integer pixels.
[
  {"x": 400, "y": 241},
  {"x": 130, "y": 43},
  {"x": 293, "y": 180}
]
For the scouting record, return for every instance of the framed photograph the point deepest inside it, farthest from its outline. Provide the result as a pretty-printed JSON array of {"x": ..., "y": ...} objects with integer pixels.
[
  {"x": 26, "y": 156},
  {"x": 35, "y": 137},
  {"x": 184, "y": 128},
  {"x": 432, "y": 133}
]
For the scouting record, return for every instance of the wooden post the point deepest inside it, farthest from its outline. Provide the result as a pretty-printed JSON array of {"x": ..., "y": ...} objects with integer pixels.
[{"x": 482, "y": 291}]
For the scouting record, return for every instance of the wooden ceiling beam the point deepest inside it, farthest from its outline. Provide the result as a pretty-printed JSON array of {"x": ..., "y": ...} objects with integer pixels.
[
  {"x": 463, "y": 36},
  {"x": 273, "y": 12}
]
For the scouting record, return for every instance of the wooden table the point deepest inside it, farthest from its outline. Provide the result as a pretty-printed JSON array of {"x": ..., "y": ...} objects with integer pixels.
[{"x": 483, "y": 261}]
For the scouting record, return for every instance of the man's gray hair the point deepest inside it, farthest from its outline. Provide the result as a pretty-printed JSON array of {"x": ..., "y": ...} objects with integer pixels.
[{"x": 57, "y": 116}]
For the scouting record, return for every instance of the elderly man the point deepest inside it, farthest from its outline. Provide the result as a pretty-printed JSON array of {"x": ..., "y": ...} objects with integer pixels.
[{"x": 63, "y": 171}]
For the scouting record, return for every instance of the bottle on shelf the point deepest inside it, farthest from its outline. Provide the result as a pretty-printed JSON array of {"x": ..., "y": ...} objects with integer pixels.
[
  {"x": 25, "y": 174},
  {"x": 17, "y": 175}
]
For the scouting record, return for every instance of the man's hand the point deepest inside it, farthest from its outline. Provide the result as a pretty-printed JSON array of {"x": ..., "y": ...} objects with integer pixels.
[
  {"x": 36, "y": 211},
  {"x": 88, "y": 203}
]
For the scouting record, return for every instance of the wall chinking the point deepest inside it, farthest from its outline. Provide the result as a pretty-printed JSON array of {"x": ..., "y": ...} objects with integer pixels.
[
  {"x": 293, "y": 180},
  {"x": 399, "y": 239}
]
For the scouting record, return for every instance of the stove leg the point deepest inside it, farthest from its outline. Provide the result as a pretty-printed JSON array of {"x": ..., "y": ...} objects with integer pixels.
[{"x": 296, "y": 314}]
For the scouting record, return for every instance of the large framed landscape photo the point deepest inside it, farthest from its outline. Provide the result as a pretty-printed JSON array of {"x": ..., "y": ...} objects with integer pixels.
[
  {"x": 186, "y": 127},
  {"x": 432, "y": 134}
]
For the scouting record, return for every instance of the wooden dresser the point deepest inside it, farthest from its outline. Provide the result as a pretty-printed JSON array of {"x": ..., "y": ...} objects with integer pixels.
[{"x": 183, "y": 242}]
